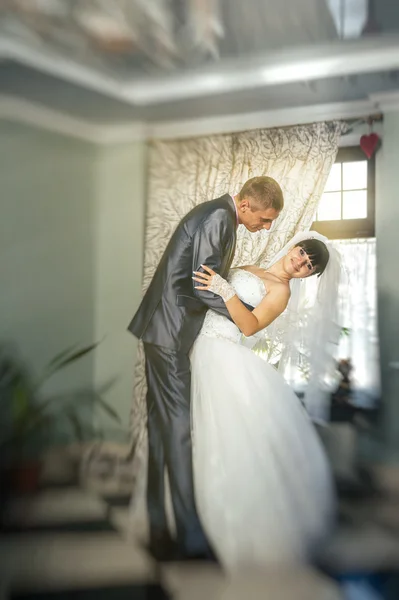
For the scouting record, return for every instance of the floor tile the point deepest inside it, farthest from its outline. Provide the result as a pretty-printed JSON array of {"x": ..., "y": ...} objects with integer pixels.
[
  {"x": 119, "y": 517},
  {"x": 60, "y": 505},
  {"x": 125, "y": 592},
  {"x": 383, "y": 511},
  {"x": 49, "y": 561},
  {"x": 196, "y": 583},
  {"x": 367, "y": 547},
  {"x": 388, "y": 478}
]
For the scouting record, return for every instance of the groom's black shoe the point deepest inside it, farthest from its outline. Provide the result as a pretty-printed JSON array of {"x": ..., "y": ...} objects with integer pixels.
[
  {"x": 208, "y": 557},
  {"x": 205, "y": 558},
  {"x": 162, "y": 548}
]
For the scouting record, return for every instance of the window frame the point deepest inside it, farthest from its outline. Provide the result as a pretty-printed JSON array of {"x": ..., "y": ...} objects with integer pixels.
[{"x": 352, "y": 228}]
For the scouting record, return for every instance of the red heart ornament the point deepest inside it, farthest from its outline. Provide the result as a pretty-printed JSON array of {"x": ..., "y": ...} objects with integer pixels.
[{"x": 369, "y": 143}]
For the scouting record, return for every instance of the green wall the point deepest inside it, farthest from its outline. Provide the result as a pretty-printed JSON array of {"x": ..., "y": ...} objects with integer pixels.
[
  {"x": 71, "y": 237},
  {"x": 119, "y": 264}
]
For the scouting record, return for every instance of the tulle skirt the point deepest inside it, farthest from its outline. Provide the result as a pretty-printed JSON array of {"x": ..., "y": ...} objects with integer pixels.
[{"x": 262, "y": 481}]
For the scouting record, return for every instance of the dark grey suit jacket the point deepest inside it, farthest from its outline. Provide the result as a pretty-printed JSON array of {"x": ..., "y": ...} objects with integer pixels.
[{"x": 172, "y": 310}]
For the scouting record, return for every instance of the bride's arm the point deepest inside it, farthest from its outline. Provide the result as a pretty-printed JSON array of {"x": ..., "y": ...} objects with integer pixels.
[
  {"x": 269, "y": 309},
  {"x": 249, "y": 322}
]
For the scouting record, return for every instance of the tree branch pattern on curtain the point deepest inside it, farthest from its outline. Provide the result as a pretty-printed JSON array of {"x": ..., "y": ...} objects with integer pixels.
[{"x": 184, "y": 173}]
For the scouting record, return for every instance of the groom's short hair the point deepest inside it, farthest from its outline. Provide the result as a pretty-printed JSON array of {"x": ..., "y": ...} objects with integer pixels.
[{"x": 265, "y": 191}]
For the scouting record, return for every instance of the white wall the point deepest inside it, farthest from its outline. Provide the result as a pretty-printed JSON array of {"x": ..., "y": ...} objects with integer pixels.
[{"x": 387, "y": 233}]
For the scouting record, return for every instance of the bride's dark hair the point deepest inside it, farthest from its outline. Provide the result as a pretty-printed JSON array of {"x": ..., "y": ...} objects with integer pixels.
[{"x": 317, "y": 252}]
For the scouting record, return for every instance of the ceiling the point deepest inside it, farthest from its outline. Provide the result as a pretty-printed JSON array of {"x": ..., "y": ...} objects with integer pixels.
[
  {"x": 68, "y": 98},
  {"x": 170, "y": 60},
  {"x": 132, "y": 38}
]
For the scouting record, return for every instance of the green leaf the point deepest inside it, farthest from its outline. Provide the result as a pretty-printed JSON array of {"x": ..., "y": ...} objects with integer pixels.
[
  {"x": 63, "y": 359},
  {"x": 96, "y": 397},
  {"x": 108, "y": 409},
  {"x": 76, "y": 425},
  {"x": 107, "y": 385},
  {"x": 24, "y": 432},
  {"x": 79, "y": 397},
  {"x": 60, "y": 357},
  {"x": 20, "y": 401},
  {"x": 76, "y": 356},
  {"x": 99, "y": 435},
  {"x": 64, "y": 400}
]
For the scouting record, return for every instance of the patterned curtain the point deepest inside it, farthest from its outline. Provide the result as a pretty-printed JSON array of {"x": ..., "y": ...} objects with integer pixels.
[{"x": 184, "y": 173}]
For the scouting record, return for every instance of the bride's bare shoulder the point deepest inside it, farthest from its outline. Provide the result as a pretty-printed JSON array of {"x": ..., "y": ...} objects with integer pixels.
[{"x": 281, "y": 292}]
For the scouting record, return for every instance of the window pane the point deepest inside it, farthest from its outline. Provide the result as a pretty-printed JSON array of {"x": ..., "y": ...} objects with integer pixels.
[
  {"x": 355, "y": 205},
  {"x": 334, "y": 179},
  {"x": 354, "y": 175},
  {"x": 329, "y": 207}
]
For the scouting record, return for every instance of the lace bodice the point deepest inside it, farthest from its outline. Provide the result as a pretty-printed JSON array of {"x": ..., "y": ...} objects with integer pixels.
[{"x": 250, "y": 288}]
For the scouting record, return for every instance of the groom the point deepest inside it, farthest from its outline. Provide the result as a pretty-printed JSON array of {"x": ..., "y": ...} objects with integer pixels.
[{"x": 168, "y": 321}]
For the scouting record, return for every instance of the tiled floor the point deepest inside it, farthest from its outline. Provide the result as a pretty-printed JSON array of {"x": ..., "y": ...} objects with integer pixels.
[
  {"x": 67, "y": 542},
  {"x": 63, "y": 506},
  {"x": 65, "y": 539}
]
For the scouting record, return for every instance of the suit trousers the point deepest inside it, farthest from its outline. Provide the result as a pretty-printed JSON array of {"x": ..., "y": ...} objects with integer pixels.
[{"x": 169, "y": 438}]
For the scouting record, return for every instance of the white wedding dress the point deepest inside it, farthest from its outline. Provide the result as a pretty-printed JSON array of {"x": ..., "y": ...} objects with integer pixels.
[{"x": 262, "y": 481}]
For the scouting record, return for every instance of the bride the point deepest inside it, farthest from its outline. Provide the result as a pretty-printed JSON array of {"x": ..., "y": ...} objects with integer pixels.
[{"x": 263, "y": 485}]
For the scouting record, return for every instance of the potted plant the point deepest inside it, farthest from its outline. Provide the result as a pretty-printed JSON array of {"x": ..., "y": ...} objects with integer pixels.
[{"x": 29, "y": 418}]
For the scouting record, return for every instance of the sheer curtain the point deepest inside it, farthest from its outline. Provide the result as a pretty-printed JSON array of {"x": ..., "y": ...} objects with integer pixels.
[
  {"x": 358, "y": 311},
  {"x": 358, "y": 297}
]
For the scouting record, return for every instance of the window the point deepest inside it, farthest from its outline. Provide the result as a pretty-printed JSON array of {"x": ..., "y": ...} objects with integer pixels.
[
  {"x": 346, "y": 214},
  {"x": 347, "y": 206}
]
